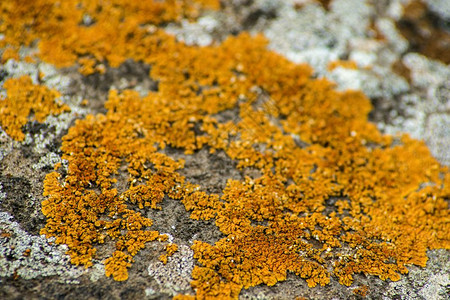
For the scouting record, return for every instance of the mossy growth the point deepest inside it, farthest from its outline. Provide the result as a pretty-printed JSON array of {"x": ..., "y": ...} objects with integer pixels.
[
  {"x": 335, "y": 196},
  {"x": 25, "y": 102}
]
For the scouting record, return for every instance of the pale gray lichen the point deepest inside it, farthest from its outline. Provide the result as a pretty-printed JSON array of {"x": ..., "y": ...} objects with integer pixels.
[
  {"x": 48, "y": 160},
  {"x": 426, "y": 111},
  {"x": 317, "y": 37},
  {"x": 15, "y": 69},
  {"x": 96, "y": 272},
  {"x": 175, "y": 276},
  {"x": 47, "y": 75},
  {"x": 52, "y": 78},
  {"x": 28, "y": 256},
  {"x": 437, "y": 135},
  {"x": 6, "y": 144},
  {"x": 56, "y": 125},
  {"x": 40, "y": 73},
  {"x": 430, "y": 283},
  {"x": 313, "y": 35},
  {"x": 440, "y": 7},
  {"x": 2, "y": 194},
  {"x": 394, "y": 39},
  {"x": 305, "y": 36},
  {"x": 426, "y": 73},
  {"x": 198, "y": 33}
]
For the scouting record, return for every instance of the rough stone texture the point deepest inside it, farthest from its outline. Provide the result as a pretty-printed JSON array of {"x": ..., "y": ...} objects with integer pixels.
[
  {"x": 31, "y": 267},
  {"x": 173, "y": 278},
  {"x": 430, "y": 283},
  {"x": 27, "y": 256}
]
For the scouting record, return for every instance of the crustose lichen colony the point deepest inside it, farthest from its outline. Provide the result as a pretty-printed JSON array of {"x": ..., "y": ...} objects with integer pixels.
[{"x": 335, "y": 196}]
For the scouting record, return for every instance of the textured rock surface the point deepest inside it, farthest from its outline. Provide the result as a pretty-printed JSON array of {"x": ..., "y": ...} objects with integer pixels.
[{"x": 33, "y": 267}]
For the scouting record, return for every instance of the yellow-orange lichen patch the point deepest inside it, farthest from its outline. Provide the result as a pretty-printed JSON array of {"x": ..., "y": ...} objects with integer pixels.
[
  {"x": 25, "y": 102},
  {"x": 170, "y": 249},
  {"x": 117, "y": 266},
  {"x": 9, "y": 53},
  {"x": 312, "y": 145},
  {"x": 346, "y": 64},
  {"x": 91, "y": 32},
  {"x": 362, "y": 290}
]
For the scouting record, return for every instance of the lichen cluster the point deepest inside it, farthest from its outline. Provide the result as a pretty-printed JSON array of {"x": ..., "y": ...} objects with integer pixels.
[
  {"x": 171, "y": 249},
  {"x": 335, "y": 196},
  {"x": 91, "y": 33},
  {"x": 25, "y": 102}
]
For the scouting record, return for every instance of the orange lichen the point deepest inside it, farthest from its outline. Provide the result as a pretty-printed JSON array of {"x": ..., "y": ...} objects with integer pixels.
[
  {"x": 25, "y": 102},
  {"x": 383, "y": 218},
  {"x": 5, "y": 234},
  {"x": 346, "y": 64},
  {"x": 117, "y": 266},
  {"x": 312, "y": 145},
  {"x": 9, "y": 53},
  {"x": 27, "y": 252},
  {"x": 362, "y": 290},
  {"x": 91, "y": 32},
  {"x": 171, "y": 249}
]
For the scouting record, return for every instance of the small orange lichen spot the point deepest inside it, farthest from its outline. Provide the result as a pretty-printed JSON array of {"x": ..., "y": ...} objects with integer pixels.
[
  {"x": 27, "y": 252},
  {"x": 346, "y": 64},
  {"x": 5, "y": 234},
  {"x": 41, "y": 75},
  {"x": 163, "y": 258},
  {"x": 31, "y": 59},
  {"x": 362, "y": 290},
  {"x": 171, "y": 249},
  {"x": 26, "y": 101},
  {"x": 117, "y": 266}
]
